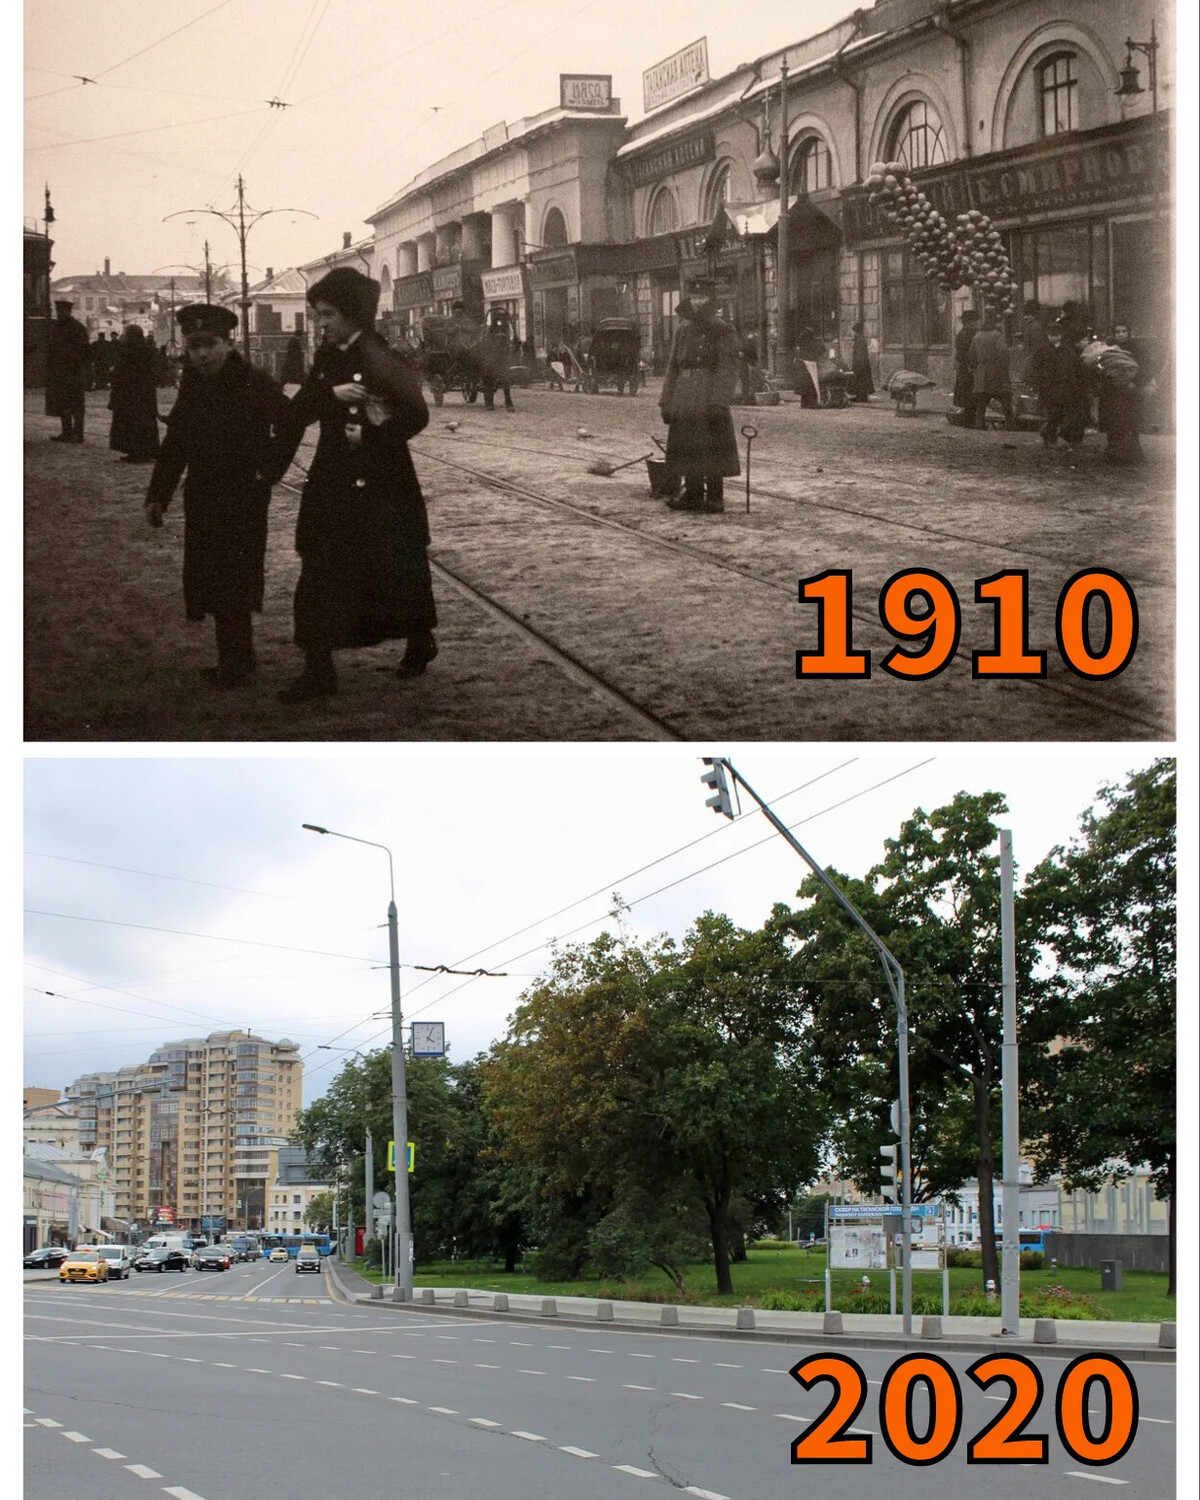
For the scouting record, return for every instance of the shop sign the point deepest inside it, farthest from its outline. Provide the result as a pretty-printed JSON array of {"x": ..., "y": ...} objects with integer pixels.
[
  {"x": 1110, "y": 165},
  {"x": 503, "y": 285},
  {"x": 447, "y": 282},
  {"x": 693, "y": 151},
  {"x": 585, "y": 90},
  {"x": 413, "y": 291},
  {"x": 558, "y": 270},
  {"x": 675, "y": 75}
]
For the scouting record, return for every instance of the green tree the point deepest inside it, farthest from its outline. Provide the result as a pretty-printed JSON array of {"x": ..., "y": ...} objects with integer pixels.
[
  {"x": 684, "y": 1062},
  {"x": 1104, "y": 1101},
  {"x": 318, "y": 1216},
  {"x": 934, "y": 900}
]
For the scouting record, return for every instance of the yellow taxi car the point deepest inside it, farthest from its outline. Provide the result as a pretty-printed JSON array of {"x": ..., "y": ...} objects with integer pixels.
[{"x": 84, "y": 1265}]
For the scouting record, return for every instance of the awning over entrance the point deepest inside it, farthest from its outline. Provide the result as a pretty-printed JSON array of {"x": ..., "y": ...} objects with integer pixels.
[{"x": 812, "y": 227}]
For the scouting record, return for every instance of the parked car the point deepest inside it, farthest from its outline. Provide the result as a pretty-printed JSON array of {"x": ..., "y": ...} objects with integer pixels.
[
  {"x": 308, "y": 1259},
  {"x": 83, "y": 1265},
  {"x": 279, "y": 1254},
  {"x": 212, "y": 1258},
  {"x": 48, "y": 1257},
  {"x": 161, "y": 1258},
  {"x": 119, "y": 1260}
]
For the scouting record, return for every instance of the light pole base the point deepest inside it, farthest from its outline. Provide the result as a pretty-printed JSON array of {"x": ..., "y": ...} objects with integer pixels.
[{"x": 399, "y": 1294}]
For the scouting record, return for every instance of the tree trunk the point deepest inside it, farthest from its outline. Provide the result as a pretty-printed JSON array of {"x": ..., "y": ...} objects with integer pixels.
[
  {"x": 1171, "y": 1242},
  {"x": 717, "y": 1207},
  {"x": 986, "y": 1176}
]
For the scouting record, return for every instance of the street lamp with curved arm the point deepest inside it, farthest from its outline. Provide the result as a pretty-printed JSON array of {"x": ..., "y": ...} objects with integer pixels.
[
  {"x": 404, "y": 1254},
  {"x": 242, "y": 221}
]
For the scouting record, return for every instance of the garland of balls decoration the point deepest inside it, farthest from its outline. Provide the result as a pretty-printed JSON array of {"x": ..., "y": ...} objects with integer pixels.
[{"x": 969, "y": 252}]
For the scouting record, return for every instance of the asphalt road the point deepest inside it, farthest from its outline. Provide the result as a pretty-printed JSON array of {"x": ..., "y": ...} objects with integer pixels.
[{"x": 255, "y": 1381}]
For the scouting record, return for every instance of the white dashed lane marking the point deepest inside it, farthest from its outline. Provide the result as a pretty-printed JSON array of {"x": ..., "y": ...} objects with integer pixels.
[
  {"x": 578, "y": 1452},
  {"x": 530, "y": 1437},
  {"x": 107, "y": 1453},
  {"x": 483, "y": 1422},
  {"x": 75, "y": 1437},
  {"x": 143, "y": 1472},
  {"x": 179, "y": 1493},
  {"x": 47, "y": 1422},
  {"x": 686, "y": 1396},
  {"x": 637, "y": 1473},
  {"x": 443, "y": 1411}
]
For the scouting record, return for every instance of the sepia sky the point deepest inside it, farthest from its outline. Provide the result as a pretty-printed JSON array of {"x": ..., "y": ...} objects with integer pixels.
[{"x": 377, "y": 90}]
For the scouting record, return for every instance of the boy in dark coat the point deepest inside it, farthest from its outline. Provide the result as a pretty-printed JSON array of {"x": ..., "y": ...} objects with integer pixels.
[
  {"x": 220, "y": 431},
  {"x": 362, "y": 532},
  {"x": 68, "y": 371},
  {"x": 702, "y": 373}
]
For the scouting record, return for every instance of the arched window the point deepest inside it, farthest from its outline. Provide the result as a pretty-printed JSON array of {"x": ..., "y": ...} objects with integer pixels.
[
  {"x": 554, "y": 232},
  {"x": 917, "y": 138},
  {"x": 663, "y": 216},
  {"x": 718, "y": 192},
  {"x": 1058, "y": 90},
  {"x": 811, "y": 169}
]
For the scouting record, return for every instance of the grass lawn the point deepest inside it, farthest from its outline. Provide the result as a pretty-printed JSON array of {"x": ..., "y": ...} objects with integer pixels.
[{"x": 802, "y": 1271}]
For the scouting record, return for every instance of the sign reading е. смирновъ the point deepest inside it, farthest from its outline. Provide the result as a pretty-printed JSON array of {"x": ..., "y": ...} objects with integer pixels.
[
  {"x": 675, "y": 75},
  {"x": 692, "y": 151},
  {"x": 1097, "y": 167}
]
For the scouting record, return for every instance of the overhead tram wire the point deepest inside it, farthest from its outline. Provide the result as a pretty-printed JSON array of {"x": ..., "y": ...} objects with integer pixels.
[
  {"x": 275, "y": 105},
  {"x": 609, "y": 885},
  {"x": 516, "y": 958}
]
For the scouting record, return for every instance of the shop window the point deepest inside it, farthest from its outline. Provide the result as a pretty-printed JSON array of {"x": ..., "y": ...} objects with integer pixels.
[
  {"x": 663, "y": 216},
  {"x": 917, "y": 137},
  {"x": 554, "y": 233},
  {"x": 916, "y": 311},
  {"x": 718, "y": 193},
  {"x": 1058, "y": 84},
  {"x": 811, "y": 169}
]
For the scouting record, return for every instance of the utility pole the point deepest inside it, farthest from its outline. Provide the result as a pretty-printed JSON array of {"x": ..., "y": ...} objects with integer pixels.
[
  {"x": 370, "y": 1188},
  {"x": 783, "y": 346},
  {"x": 241, "y": 218},
  {"x": 1010, "y": 1193}
]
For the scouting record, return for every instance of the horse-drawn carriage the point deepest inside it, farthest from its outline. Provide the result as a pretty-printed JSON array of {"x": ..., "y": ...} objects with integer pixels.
[
  {"x": 461, "y": 354},
  {"x": 612, "y": 353}
]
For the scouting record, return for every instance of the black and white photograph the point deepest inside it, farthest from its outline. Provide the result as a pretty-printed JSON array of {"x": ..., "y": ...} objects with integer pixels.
[{"x": 394, "y": 376}]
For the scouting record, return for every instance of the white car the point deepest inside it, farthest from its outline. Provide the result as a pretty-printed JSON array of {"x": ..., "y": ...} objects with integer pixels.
[{"x": 119, "y": 1258}]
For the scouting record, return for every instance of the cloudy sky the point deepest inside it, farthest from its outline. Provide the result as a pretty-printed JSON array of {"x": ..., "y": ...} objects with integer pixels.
[
  {"x": 174, "y": 897},
  {"x": 377, "y": 90}
]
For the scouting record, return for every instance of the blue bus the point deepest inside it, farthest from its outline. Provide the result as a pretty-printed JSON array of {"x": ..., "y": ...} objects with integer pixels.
[
  {"x": 1035, "y": 1239},
  {"x": 292, "y": 1242}
]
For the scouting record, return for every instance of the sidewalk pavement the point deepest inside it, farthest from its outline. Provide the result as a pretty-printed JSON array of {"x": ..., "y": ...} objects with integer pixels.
[{"x": 1153, "y": 1342}]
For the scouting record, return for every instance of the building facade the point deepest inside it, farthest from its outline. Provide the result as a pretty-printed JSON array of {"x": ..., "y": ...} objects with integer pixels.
[
  {"x": 522, "y": 218},
  {"x": 191, "y": 1132},
  {"x": 293, "y": 1189},
  {"x": 108, "y": 302},
  {"x": 1009, "y": 108}
]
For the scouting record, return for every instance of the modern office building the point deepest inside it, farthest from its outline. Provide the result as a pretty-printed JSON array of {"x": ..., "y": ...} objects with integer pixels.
[{"x": 192, "y": 1133}]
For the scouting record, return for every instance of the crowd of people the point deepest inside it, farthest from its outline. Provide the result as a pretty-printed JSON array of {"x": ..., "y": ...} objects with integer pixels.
[{"x": 1080, "y": 380}]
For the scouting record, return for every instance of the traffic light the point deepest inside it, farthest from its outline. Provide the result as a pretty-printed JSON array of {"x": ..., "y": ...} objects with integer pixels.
[
  {"x": 714, "y": 777},
  {"x": 889, "y": 1172}
]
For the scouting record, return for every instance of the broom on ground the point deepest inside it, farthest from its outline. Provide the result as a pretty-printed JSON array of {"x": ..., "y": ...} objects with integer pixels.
[{"x": 602, "y": 465}]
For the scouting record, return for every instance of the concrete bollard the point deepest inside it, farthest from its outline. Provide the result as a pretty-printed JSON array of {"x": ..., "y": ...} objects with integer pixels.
[
  {"x": 931, "y": 1328},
  {"x": 1044, "y": 1331},
  {"x": 670, "y": 1316},
  {"x": 549, "y": 1307},
  {"x": 1166, "y": 1336},
  {"x": 500, "y": 1302},
  {"x": 745, "y": 1317},
  {"x": 832, "y": 1323},
  {"x": 426, "y": 1295},
  {"x": 460, "y": 1299},
  {"x": 376, "y": 1294},
  {"x": 399, "y": 1294},
  {"x": 604, "y": 1312}
]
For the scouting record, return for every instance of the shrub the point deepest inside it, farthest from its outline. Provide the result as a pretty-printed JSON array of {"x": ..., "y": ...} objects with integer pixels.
[
  {"x": 1032, "y": 1260},
  {"x": 779, "y": 1299},
  {"x": 964, "y": 1259}
]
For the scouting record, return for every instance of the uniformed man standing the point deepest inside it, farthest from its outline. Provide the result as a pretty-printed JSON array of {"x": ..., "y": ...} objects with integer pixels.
[
  {"x": 696, "y": 396},
  {"x": 68, "y": 361},
  {"x": 220, "y": 432}
]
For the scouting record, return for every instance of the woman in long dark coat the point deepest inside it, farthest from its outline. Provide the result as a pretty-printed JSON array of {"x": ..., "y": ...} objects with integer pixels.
[
  {"x": 133, "y": 400},
  {"x": 862, "y": 386},
  {"x": 362, "y": 532}
]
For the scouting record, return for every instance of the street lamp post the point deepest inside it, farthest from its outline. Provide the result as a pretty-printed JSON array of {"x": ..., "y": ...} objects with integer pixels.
[
  {"x": 404, "y": 1246},
  {"x": 242, "y": 220},
  {"x": 894, "y": 975}
]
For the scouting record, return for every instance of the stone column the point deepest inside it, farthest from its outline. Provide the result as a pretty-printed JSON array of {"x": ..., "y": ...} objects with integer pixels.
[
  {"x": 406, "y": 258},
  {"x": 425, "y": 243},
  {"x": 504, "y": 241}
]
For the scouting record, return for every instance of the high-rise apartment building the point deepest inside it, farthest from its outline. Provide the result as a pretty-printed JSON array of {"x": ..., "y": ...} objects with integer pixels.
[{"x": 192, "y": 1133}]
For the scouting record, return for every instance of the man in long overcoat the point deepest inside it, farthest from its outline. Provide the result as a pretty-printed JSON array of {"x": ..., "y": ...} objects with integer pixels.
[
  {"x": 963, "y": 397},
  {"x": 68, "y": 371},
  {"x": 220, "y": 433},
  {"x": 989, "y": 362},
  {"x": 134, "y": 398},
  {"x": 701, "y": 378},
  {"x": 362, "y": 532}
]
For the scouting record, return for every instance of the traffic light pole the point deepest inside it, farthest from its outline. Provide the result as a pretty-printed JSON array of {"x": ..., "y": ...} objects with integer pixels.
[{"x": 894, "y": 975}]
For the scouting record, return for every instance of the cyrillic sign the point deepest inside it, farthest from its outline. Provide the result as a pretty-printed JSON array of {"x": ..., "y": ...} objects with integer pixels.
[
  {"x": 502, "y": 286},
  {"x": 585, "y": 90},
  {"x": 692, "y": 151},
  {"x": 675, "y": 75}
]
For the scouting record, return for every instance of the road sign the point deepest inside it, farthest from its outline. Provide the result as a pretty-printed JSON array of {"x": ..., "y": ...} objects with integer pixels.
[{"x": 391, "y": 1156}]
